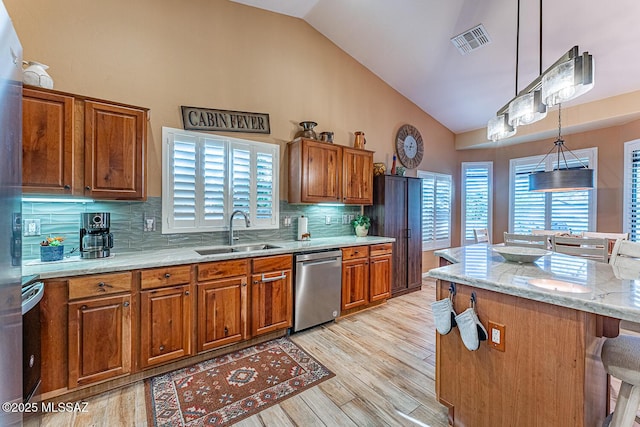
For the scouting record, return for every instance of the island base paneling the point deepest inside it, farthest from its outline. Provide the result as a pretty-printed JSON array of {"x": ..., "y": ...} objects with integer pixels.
[{"x": 550, "y": 373}]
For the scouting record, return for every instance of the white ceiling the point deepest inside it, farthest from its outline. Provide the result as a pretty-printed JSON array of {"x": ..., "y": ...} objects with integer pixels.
[{"x": 407, "y": 44}]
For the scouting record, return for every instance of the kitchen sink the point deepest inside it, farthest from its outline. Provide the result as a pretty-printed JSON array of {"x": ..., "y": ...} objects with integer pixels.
[{"x": 239, "y": 248}]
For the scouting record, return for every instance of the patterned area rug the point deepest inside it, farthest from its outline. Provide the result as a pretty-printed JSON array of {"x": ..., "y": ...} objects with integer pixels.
[{"x": 226, "y": 389}]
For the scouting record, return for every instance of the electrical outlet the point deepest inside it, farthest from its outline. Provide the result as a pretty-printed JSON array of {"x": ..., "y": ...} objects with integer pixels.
[
  {"x": 351, "y": 216},
  {"x": 496, "y": 336},
  {"x": 31, "y": 227},
  {"x": 287, "y": 221},
  {"x": 149, "y": 223},
  {"x": 345, "y": 219},
  {"x": 327, "y": 219}
]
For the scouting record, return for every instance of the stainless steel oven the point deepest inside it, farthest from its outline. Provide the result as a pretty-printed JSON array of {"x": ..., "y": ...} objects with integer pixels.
[{"x": 32, "y": 293}]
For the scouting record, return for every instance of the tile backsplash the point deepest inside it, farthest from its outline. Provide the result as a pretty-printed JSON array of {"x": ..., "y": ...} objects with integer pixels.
[{"x": 63, "y": 219}]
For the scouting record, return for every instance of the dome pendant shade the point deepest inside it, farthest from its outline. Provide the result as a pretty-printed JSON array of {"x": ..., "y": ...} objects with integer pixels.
[
  {"x": 562, "y": 180},
  {"x": 527, "y": 109},
  {"x": 568, "y": 80}
]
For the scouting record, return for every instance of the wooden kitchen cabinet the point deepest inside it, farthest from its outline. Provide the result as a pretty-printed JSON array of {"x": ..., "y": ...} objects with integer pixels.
[
  {"x": 99, "y": 339},
  {"x": 47, "y": 142},
  {"x": 320, "y": 172},
  {"x": 80, "y": 146},
  {"x": 165, "y": 324},
  {"x": 222, "y": 303},
  {"x": 114, "y": 148},
  {"x": 380, "y": 271},
  {"x": 355, "y": 277},
  {"x": 357, "y": 176},
  {"x": 397, "y": 212},
  {"x": 271, "y": 294}
]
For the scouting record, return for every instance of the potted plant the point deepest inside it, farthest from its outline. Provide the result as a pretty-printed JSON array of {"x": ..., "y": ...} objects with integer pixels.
[
  {"x": 52, "y": 249},
  {"x": 361, "y": 223}
]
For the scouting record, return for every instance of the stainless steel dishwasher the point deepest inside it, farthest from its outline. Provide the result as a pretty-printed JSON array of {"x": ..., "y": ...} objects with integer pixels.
[{"x": 318, "y": 288}]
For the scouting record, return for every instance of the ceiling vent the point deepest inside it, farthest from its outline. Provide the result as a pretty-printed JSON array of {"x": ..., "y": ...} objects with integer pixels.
[{"x": 471, "y": 39}]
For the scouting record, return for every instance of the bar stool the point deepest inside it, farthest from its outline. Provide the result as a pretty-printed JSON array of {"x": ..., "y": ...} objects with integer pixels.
[{"x": 621, "y": 359}]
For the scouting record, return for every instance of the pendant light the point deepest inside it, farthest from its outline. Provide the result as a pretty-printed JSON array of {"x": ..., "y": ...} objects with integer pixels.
[
  {"x": 567, "y": 179},
  {"x": 527, "y": 108},
  {"x": 569, "y": 77}
]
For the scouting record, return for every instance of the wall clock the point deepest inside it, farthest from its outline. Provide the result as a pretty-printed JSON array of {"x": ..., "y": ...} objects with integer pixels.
[{"x": 409, "y": 146}]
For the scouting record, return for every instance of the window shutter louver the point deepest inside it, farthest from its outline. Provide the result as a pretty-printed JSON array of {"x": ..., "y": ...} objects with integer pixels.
[
  {"x": 436, "y": 210},
  {"x": 476, "y": 198}
]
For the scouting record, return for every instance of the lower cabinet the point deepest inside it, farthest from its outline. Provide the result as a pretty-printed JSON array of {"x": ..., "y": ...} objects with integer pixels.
[
  {"x": 165, "y": 324},
  {"x": 366, "y": 275},
  {"x": 99, "y": 339},
  {"x": 355, "y": 277},
  {"x": 222, "y": 303},
  {"x": 271, "y": 294}
]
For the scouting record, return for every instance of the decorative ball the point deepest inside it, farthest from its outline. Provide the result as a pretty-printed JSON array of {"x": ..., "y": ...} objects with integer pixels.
[{"x": 379, "y": 169}]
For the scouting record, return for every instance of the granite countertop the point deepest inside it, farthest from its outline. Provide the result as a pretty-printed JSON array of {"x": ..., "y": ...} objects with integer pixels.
[
  {"x": 75, "y": 266},
  {"x": 608, "y": 290}
]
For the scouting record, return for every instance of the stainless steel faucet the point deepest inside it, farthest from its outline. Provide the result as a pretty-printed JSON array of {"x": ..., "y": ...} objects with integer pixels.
[{"x": 246, "y": 221}]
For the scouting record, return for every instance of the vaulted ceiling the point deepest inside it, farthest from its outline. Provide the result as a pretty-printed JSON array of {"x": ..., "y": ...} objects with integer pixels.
[{"x": 407, "y": 44}]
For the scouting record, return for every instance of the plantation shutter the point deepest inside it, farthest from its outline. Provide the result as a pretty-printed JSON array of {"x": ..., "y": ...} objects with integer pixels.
[
  {"x": 436, "y": 210},
  {"x": 476, "y": 198},
  {"x": 213, "y": 173},
  {"x": 182, "y": 180},
  {"x": 266, "y": 190},
  {"x": 529, "y": 208},
  {"x": 631, "y": 193}
]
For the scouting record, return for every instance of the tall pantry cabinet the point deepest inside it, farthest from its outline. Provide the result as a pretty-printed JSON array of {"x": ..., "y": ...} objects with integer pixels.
[{"x": 397, "y": 212}]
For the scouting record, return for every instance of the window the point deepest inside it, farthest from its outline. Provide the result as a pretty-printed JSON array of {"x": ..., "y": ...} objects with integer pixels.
[
  {"x": 477, "y": 199},
  {"x": 573, "y": 211},
  {"x": 631, "y": 186},
  {"x": 436, "y": 210},
  {"x": 206, "y": 177}
]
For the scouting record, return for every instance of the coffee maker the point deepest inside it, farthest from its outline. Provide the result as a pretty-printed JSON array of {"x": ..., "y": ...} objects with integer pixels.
[{"x": 95, "y": 239}]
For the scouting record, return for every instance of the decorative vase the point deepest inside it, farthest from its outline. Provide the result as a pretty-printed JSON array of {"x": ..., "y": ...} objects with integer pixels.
[
  {"x": 307, "y": 130},
  {"x": 326, "y": 137},
  {"x": 361, "y": 230},
  {"x": 400, "y": 170},
  {"x": 379, "y": 169},
  {"x": 51, "y": 253},
  {"x": 35, "y": 75},
  {"x": 360, "y": 140}
]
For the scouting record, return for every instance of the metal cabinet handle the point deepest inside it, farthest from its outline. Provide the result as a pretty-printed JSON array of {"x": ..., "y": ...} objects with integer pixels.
[
  {"x": 126, "y": 304},
  {"x": 186, "y": 292},
  {"x": 273, "y": 279},
  {"x": 87, "y": 188},
  {"x": 167, "y": 275},
  {"x": 226, "y": 331},
  {"x": 84, "y": 307},
  {"x": 161, "y": 348},
  {"x": 103, "y": 284},
  {"x": 67, "y": 187}
]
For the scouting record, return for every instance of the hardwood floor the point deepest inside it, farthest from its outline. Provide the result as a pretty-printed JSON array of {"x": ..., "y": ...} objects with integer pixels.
[{"x": 383, "y": 358}]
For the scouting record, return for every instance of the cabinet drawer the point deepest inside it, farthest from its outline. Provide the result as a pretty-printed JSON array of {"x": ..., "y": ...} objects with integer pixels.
[
  {"x": 355, "y": 252},
  {"x": 381, "y": 249},
  {"x": 272, "y": 263},
  {"x": 221, "y": 269},
  {"x": 99, "y": 285},
  {"x": 168, "y": 276}
]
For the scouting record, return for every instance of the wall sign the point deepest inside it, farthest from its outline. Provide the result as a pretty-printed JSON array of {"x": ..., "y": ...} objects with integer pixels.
[{"x": 207, "y": 119}]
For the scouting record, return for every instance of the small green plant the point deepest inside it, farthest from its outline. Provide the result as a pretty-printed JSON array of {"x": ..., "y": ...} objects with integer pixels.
[
  {"x": 361, "y": 220},
  {"x": 52, "y": 241}
]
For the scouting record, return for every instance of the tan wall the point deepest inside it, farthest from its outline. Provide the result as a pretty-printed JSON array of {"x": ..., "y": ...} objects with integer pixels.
[{"x": 218, "y": 54}]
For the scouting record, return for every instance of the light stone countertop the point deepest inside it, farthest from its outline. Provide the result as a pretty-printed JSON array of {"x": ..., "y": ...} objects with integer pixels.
[
  {"x": 611, "y": 291},
  {"x": 74, "y": 266}
]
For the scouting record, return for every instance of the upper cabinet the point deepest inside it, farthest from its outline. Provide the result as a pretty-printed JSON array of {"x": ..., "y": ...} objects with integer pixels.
[
  {"x": 321, "y": 172},
  {"x": 78, "y": 146}
]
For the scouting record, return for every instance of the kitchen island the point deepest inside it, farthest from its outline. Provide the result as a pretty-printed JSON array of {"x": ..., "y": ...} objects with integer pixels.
[{"x": 546, "y": 369}]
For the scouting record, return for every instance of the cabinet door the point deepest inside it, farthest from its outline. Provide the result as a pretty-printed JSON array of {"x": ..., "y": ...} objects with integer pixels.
[
  {"x": 165, "y": 324},
  {"x": 115, "y": 150},
  {"x": 379, "y": 277},
  {"x": 99, "y": 339},
  {"x": 271, "y": 301},
  {"x": 222, "y": 312},
  {"x": 47, "y": 142},
  {"x": 321, "y": 166},
  {"x": 414, "y": 233},
  {"x": 357, "y": 176},
  {"x": 395, "y": 225},
  {"x": 355, "y": 281}
]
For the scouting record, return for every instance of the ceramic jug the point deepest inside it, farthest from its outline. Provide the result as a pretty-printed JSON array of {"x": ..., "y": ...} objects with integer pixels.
[
  {"x": 360, "y": 140},
  {"x": 35, "y": 75}
]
